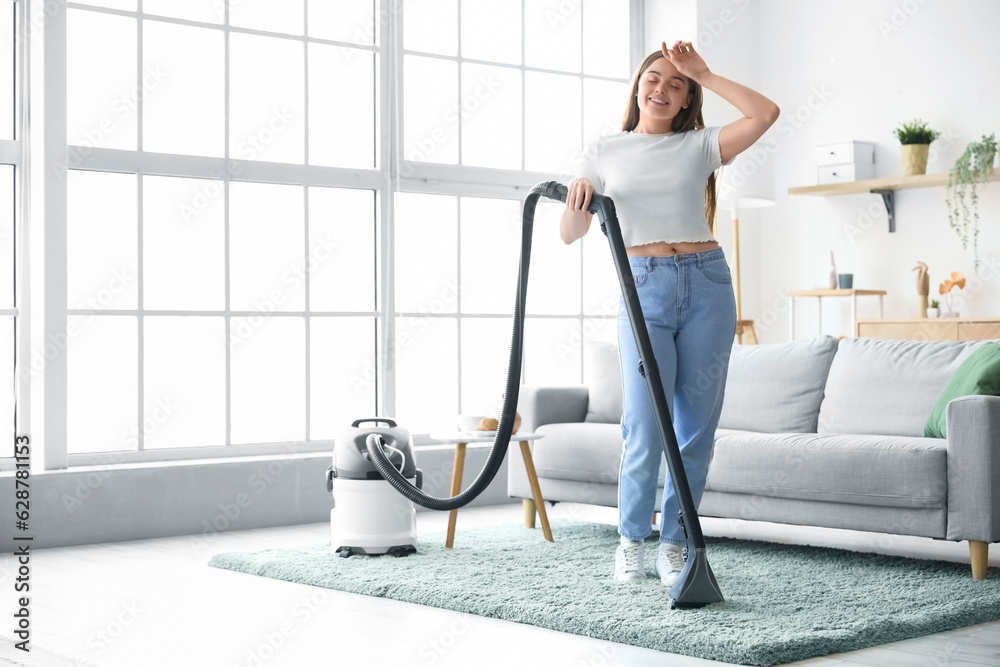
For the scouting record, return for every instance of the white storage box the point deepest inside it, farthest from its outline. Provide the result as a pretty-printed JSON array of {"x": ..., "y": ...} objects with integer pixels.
[{"x": 844, "y": 162}]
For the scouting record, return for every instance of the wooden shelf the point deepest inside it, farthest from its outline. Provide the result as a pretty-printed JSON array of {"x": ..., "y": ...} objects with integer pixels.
[
  {"x": 889, "y": 183},
  {"x": 883, "y": 186},
  {"x": 820, "y": 293},
  {"x": 837, "y": 292}
]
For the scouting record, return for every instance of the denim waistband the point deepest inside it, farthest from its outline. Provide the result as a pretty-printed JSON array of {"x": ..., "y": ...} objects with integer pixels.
[{"x": 686, "y": 257}]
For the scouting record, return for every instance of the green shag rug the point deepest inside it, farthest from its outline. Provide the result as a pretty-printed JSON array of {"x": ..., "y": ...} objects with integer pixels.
[{"x": 783, "y": 602}]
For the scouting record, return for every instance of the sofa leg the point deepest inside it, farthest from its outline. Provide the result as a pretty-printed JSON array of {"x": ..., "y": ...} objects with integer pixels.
[
  {"x": 979, "y": 551},
  {"x": 529, "y": 512},
  {"x": 656, "y": 515}
]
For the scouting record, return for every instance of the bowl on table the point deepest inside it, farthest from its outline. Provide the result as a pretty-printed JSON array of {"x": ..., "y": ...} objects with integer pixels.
[{"x": 469, "y": 422}]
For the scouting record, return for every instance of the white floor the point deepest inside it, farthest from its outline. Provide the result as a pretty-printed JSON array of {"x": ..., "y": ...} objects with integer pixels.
[{"x": 100, "y": 605}]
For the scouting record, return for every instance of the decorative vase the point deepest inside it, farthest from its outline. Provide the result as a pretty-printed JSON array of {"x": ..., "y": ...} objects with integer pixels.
[
  {"x": 831, "y": 279},
  {"x": 932, "y": 312},
  {"x": 914, "y": 158}
]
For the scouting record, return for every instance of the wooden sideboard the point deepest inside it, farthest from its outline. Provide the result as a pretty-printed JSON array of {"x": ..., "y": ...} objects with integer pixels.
[{"x": 947, "y": 328}]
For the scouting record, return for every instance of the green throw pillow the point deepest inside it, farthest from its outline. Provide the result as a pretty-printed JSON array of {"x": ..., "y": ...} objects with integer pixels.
[{"x": 979, "y": 374}]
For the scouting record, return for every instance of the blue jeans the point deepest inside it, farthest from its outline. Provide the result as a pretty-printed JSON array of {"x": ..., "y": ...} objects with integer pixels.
[{"x": 690, "y": 311}]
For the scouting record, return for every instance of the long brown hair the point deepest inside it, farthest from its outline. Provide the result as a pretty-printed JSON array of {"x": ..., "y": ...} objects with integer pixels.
[{"x": 686, "y": 119}]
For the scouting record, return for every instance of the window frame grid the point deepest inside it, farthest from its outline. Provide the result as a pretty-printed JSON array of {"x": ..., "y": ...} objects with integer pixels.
[
  {"x": 140, "y": 163},
  {"x": 14, "y": 153},
  {"x": 386, "y": 179},
  {"x": 458, "y": 180}
]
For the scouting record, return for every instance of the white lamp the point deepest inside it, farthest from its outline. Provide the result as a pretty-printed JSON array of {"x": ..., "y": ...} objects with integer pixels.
[{"x": 742, "y": 203}]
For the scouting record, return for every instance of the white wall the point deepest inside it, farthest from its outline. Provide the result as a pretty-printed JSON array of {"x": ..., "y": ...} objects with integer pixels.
[
  {"x": 667, "y": 20},
  {"x": 853, "y": 69}
]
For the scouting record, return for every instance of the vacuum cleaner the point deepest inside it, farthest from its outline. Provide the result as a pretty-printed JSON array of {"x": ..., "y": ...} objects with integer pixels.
[
  {"x": 371, "y": 459},
  {"x": 368, "y": 515}
]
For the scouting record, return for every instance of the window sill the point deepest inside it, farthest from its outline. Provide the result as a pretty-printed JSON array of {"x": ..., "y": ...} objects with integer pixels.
[{"x": 179, "y": 463}]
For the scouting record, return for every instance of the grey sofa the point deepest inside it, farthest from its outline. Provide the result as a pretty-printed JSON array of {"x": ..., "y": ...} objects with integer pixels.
[{"x": 815, "y": 432}]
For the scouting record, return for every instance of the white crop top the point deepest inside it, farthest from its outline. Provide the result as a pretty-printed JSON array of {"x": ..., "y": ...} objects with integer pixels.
[{"x": 657, "y": 181}]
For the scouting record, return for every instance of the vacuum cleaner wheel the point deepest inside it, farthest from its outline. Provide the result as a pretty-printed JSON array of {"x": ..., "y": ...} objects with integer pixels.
[
  {"x": 397, "y": 551},
  {"x": 403, "y": 550}
]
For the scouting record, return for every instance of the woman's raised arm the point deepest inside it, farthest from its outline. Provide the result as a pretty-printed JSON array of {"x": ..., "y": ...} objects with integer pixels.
[{"x": 759, "y": 113}]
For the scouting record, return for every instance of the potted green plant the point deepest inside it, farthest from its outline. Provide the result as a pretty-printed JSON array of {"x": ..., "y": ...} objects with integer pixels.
[
  {"x": 916, "y": 139},
  {"x": 970, "y": 171},
  {"x": 933, "y": 311}
]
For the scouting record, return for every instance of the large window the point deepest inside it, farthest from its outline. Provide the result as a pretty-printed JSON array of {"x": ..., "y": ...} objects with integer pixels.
[
  {"x": 496, "y": 96},
  {"x": 283, "y": 216},
  {"x": 13, "y": 347}
]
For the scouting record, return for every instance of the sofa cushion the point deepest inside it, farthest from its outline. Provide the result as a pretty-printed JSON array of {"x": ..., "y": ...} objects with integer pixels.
[
  {"x": 978, "y": 375},
  {"x": 892, "y": 471},
  {"x": 582, "y": 453},
  {"x": 887, "y": 387},
  {"x": 602, "y": 372},
  {"x": 777, "y": 387},
  {"x": 587, "y": 452}
]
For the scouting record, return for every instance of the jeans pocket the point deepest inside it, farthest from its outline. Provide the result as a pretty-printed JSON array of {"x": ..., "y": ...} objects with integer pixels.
[
  {"x": 717, "y": 270},
  {"x": 639, "y": 275}
]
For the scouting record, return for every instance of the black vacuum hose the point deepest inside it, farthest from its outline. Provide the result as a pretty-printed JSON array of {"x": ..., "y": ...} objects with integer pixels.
[
  {"x": 696, "y": 585},
  {"x": 553, "y": 190}
]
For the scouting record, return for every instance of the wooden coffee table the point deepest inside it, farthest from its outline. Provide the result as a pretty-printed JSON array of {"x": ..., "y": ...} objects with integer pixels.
[{"x": 461, "y": 439}]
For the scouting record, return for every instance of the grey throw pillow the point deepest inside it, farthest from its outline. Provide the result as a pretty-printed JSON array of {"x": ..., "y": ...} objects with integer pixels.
[
  {"x": 777, "y": 387},
  {"x": 603, "y": 377}
]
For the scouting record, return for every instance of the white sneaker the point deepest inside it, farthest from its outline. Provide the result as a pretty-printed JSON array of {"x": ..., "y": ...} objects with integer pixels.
[
  {"x": 629, "y": 563},
  {"x": 669, "y": 563}
]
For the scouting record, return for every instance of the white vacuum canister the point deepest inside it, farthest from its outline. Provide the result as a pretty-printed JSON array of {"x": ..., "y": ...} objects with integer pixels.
[{"x": 371, "y": 517}]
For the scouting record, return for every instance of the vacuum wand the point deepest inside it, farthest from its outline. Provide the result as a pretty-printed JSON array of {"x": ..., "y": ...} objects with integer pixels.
[{"x": 696, "y": 585}]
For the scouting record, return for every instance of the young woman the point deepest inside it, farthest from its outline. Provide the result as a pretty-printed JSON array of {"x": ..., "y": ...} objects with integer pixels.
[{"x": 660, "y": 172}]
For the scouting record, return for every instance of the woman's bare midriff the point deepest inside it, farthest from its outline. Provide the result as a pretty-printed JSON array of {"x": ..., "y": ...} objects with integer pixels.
[{"x": 661, "y": 249}]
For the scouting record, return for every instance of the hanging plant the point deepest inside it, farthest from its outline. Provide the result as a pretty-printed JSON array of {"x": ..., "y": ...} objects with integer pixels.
[{"x": 970, "y": 171}]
